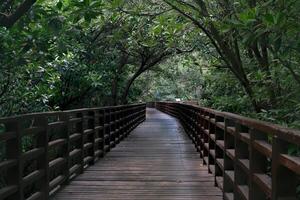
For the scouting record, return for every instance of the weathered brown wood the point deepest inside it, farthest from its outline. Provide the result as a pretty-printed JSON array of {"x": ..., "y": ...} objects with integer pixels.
[
  {"x": 43, "y": 161},
  {"x": 157, "y": 161},
  {"x": 245, "y": 158},
  {"x": 15, "y": 174},
  {"x": 253, "y": 154},
  {"x": 44, "y": 151}
]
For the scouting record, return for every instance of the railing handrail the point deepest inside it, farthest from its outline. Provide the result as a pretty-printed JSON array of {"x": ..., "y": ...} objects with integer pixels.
[
  {"x": 271, "y": 128},
  {"x": 65, "y": 111},
  {"x": 62, "y": 145}
]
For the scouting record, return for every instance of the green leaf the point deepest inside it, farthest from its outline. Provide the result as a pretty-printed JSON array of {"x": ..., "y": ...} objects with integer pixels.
[
  {"x": 86, "y": 2},
  {"x": 279, "y": 18},
  {"x": 116, "y": 3},
  {"x": 59, "y": 5},
  {"x": 269, "y": 18},
  {"x": 277, "y": 43}
]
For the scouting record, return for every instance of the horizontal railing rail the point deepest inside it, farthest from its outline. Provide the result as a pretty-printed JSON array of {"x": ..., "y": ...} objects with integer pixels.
[
  {"x": 41, "y": 152},
  {"x": 250, "y": 159}
]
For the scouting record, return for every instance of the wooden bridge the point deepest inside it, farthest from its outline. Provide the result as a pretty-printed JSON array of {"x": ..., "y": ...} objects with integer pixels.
[
  {"x": 157, "y": 161},
  {"x": 181, "y": 152}
]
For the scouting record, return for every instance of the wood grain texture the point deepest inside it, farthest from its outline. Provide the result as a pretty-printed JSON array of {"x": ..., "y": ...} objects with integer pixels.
[{"x": 157, "y": 161}]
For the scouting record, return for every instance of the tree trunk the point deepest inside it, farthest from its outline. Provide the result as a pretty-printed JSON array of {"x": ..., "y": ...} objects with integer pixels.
[
  {"x": 114, "y": 84},
  {"x": 230, "y": 55},
  {"x": 263, "y": 62},
  {"x": 9, "y": 20},
  {"x": 114, "y": 92},
  {"x": 124, "y": 99}
]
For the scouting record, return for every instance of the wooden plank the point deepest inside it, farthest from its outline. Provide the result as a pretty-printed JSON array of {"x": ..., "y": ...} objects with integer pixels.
[{"x": 156, "y": 161}]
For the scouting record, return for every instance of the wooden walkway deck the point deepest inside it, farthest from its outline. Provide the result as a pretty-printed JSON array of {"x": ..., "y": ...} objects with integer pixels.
[{"x": 157, "y": 161}]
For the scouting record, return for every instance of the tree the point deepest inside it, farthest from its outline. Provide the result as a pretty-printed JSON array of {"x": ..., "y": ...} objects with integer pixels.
[{"x": 240, "y": 56}]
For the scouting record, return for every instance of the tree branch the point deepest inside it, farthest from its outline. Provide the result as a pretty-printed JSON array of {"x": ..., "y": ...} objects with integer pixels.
[
  {"x": 198, "y": 24},
  {"x": 9, "y": 20},
  {"x": 188, "y": 5},
  {"x": 144, "y": 14},
  {"x": 5, "y": 87}
]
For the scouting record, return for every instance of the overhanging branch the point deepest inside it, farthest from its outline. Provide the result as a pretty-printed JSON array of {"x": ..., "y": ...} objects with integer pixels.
[
  {"x": 9, "y": 20},
  {"x": 198, "y": 24}
]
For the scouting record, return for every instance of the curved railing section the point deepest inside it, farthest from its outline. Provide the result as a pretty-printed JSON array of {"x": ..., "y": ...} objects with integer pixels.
[
  {"x": 250, "y": 159},
  {"x": 43, "y": 151}
]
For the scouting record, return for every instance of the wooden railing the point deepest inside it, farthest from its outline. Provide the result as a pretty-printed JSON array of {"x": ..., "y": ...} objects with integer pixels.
[
  {"x": 250, "y": 159},
  {"x": 40, "y": 152}
]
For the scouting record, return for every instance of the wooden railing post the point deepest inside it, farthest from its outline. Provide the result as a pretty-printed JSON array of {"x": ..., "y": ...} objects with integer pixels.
[
  {"x": 112, "y": 127},
  {"x": 122, "y": 128},
  {"x": 126, "y": 119},
  {"x": 284, "y": 181},
  {"x": 227, "y": 145},
  {"x": 43, "y": 161},
  {"x": 91, "y": 135},
  {"x": 241, "y": 165},
  {"x": 124, "y": 122},
  {"x": 102, "y": 131},
  {"x": 118, "y": 126},
  {"x": 107, "y": 129},
  {"x": 145, "y": 113},
  {"x": 14, "y": 152},
  {"x": 196, "y": 130},
  {"x": 80, "y": 129},
  {"x": 258, "y": 164},
  {"x": 63, "y": 117},
  {"x": 219, "y": 152},
  {"x": 211, "y": 144},
  {"x": 98, "y": 135}
]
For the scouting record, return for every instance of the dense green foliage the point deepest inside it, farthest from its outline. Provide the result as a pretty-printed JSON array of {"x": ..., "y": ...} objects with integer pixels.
[{"x": 240, "y": 56}]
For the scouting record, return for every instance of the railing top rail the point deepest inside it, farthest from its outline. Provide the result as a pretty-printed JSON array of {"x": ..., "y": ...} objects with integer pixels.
[
  {"x": 55, "y": 113},
  {"x": 293, "y": 135},
  {"x": 103, "y": 108}
]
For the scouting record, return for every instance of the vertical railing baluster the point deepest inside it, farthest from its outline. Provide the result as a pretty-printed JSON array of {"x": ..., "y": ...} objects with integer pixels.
[
  {"x": 257, "y": 162},
  {"x": 231, "y": 146},
  {"x": 91, "y": 125},
  {"x": 43, "y": 161},
  {"x": 125, "y": 122},
  {"x": 102, "y": 131},
  {"x": 227, "y": 165},
  {"x": 121, "y": 133},
  {"x": 80, "y": 128},
  {"x": 117, "y": 133},
  {"x": 66, "y": 148},
  {"x": 145, "y": 112},
  {"x": 284, "y": 181},
  {"x": 14, "y": 151},
  {"x": 198, "y": 135},
  {"x": 108, "y": 129}
]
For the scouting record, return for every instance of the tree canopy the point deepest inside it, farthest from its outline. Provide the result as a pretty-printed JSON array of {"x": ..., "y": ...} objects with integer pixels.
[{"x": 240, "y": 56}]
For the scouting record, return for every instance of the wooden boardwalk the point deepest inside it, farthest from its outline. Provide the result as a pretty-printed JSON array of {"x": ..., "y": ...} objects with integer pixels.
[{"x": 157, "y": 161}]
